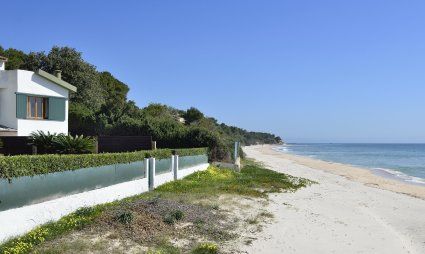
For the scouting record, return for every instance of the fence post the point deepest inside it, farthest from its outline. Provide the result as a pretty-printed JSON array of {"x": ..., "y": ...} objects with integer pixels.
[
  {"x": 95, "y": 146},
  {"x": 146, "y": 165},
  {"x": 34, "y": 150},
  {"x": 176, "y": 167},
  {"x": 172, "y": 163},
  {"x": 236, "y": 151},
  {"x": 153, "y": 145},
  {"x": 151, "y": 176},
  {"x": 237, "y": 159}
]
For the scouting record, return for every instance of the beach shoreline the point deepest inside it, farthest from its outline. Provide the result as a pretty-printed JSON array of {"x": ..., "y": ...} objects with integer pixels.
[
  {"x": 354, "y": 173},
  {"x": 348, "y": 210}
]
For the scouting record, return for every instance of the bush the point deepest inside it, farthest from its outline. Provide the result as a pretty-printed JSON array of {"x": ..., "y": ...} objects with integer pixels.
[
  {"x": 168, "y": 219},
  {"x": 177, "y": 215},
  {"x": 45, "y": 142},
  {"x": 74, "y": 145},
  {"x": 173, "y": 216},
  {"x": 85, "y": 211},
  {"x": 48, "y": 143},
  {"x": 206, "y": 248},
  {"x": 125, "y": 218},
  {"x": 29, "y": 165}
]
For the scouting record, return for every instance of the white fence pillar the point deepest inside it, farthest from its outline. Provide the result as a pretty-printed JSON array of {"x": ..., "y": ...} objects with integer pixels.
[
  {"x": 146, "y": 166},
  {"x": 176, "y": 166},
  {"x": 172, "y": 164},
  {"x": 151, "y": 174}
]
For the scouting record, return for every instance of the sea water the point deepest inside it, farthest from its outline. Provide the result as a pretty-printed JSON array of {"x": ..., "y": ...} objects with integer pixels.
[{"x": 404, "y": 162}]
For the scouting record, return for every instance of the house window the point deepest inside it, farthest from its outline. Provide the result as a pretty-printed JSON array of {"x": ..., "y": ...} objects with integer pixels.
[{"x": 37, "y": 107}]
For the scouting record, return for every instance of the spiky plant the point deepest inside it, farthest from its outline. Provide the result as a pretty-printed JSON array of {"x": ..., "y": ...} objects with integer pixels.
[
  {"x": 74, "y": 145},
  {"x": 45, "y": 142}
]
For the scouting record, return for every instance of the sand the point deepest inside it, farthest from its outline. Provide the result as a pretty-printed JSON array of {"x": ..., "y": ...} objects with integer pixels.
[{"x": 350, "y": 210}]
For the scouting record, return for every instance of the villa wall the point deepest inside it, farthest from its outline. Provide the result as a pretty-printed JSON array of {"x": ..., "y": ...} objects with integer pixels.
[
  {"x": 8, "y": 88},
  {"x": 27, "y": 82},
  {"x": 31, "y": 83}
]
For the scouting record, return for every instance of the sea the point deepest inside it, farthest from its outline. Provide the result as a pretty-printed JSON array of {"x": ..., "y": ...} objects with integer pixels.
[{"x": 403, "y": 162}]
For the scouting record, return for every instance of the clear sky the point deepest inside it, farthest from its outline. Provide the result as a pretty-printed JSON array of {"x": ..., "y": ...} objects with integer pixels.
[{"x": 310, "y": 71}]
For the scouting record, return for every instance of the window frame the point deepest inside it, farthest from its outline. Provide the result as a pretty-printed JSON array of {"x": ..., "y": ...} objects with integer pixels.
[{"x": 44, "y": 108}]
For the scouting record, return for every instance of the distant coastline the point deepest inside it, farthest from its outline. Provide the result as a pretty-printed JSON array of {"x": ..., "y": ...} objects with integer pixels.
[
  {"x": 401, "y": 162},
  {"x": 358, "y": 174}
]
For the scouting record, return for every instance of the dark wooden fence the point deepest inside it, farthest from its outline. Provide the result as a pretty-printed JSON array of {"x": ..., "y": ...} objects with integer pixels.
[
  {"x": 116, "y": 144},
  {"x": 15, "y": 145},
  {"x": 105, "y": 144}
]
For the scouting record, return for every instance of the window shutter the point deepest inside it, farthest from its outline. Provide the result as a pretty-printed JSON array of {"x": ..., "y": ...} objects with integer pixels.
[
  {"x": 21, "y": 106},
  {"x": 57, "y": 109}
]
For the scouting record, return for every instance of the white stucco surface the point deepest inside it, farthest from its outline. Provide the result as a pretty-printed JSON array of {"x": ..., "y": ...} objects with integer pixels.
[
  {"x": 27, "y": 82},
  {"x": 8, "y": 88},
  {"x": 18, "y": 221}
]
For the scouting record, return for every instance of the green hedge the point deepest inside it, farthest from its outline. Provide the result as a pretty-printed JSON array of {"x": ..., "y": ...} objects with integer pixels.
[{"x": 29, "y": 165}]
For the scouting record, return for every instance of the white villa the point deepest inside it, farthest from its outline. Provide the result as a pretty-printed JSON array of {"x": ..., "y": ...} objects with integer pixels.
[{"x": 32, "y": 101}]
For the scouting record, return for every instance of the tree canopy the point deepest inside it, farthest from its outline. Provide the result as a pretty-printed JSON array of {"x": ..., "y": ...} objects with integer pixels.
[{"x": 100, "y": 107}]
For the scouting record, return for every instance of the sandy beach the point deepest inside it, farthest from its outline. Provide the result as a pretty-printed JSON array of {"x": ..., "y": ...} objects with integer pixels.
[{"x": 350, "y": 210}]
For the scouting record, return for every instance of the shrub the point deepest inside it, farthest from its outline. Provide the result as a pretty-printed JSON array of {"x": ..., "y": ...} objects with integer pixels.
[
  {"x": 45, "y": 142},
  {"x": 48, "y": 143},
  {"x": 73, "y": 145},
  {"x": 173, "y": 216},
  {"x": 206, "y": 248},
  {"x": 85, "y": 211},
  {"x": 168, "y": 219},
  {"x": 125, "y": 218},
  {"x": 177, "y": 215},
  {"x": 29, "y": 165}
]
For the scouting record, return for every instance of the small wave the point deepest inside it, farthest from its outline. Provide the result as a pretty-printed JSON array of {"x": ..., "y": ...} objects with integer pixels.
[
  {"x": 402, "y": 176},
  {"x": 281, "y": 149}
]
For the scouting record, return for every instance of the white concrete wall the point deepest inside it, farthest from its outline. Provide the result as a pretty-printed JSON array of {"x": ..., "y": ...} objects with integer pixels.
[
  {"x": 31, "y": 83},
  {"x": 18, "y": 221},
  {"x": 8, "y": 87},
  {"x": 27, "y": 82}
]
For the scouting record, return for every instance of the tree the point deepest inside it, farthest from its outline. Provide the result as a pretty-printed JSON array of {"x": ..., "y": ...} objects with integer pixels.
[
  {"x": 193, "y": 115},
  {"x": 16, "y": 58},
  {"x": 79, "y": 73}
]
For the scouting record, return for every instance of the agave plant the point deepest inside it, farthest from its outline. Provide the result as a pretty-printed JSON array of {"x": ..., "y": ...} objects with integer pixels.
[
  {"x": 73, "y": 145},
  {"x": 45, "y": 142}
]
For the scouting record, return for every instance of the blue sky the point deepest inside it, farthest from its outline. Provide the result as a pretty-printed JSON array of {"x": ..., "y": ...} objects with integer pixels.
[{"x": 310, "y": 71}]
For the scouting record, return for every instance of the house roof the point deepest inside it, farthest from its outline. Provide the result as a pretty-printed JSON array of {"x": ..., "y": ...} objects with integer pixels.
[
  {"x": 3, "y": 58},
  {"x": 56, "y": 80}
]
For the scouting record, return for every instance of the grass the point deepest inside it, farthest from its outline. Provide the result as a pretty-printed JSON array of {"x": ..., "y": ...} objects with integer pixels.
[{"x": 253, "y": 181}]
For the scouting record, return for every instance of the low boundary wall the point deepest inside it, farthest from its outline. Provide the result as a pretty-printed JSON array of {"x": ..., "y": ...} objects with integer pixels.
[{"x": 17, "y": 221}]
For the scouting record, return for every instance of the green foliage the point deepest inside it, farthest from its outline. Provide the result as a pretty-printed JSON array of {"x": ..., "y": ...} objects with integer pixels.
[
  {"x": 29, "y": 165},
  {"x": 48, "y": 143},
  {"x": 100, "y": 107},
  {"x": 254, "y": 180},
  {"x": 177, "y": 215},
  {"x": 168, "y": 219},
  {"x": 205, "y": 248},
  {"x": 85, "y": 211},
  {"x": 193, "y": 115},
  {"x": 125, "y": 218},
  {"x": 74, "y": 145},
  {"x": 45, "y": 142},
  {"x": 173, "y": 216}
]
